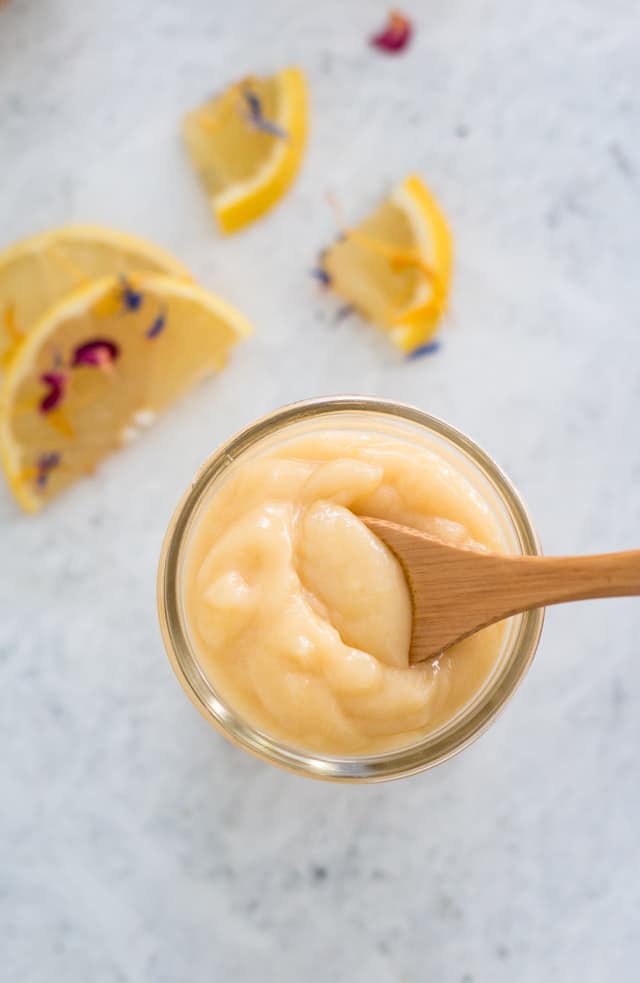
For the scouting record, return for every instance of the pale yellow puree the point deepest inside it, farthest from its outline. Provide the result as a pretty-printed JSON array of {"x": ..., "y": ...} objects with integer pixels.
[{"x": 301, "y": 617}]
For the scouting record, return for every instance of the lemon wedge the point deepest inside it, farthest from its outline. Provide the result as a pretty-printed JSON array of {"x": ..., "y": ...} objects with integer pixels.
[
  {"x": 247, "y": 144},
  {"x": 97, "y": 368},
  {"x": 37, "y": 272},
  {"x": 395, "y": 267}
]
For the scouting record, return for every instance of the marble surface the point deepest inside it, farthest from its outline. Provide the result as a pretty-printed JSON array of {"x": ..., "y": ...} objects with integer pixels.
[{"x": 136, "y": 844}]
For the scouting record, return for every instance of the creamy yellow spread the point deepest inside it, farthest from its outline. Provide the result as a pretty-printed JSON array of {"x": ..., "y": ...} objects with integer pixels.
[{"x": 301, "y": 617}]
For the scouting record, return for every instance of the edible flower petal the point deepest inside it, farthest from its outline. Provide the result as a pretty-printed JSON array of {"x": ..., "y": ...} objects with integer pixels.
[
  {"x": 430, "y": 348},
  {"x": 131, "y": 298},
  {"x": 256, "y": 117},
  {"x": 56, "y": 383},
  {"x": 395, "y": 35},
  {"x": 44, "y": 466},
  {"x": 321, "y": 275},
  {"x": 99, "y": 352},
  {"x": 158, "y": 326},
  {"x": 343, "y": 312}
]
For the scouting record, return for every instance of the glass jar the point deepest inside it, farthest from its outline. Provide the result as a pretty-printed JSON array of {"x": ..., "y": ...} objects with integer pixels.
[{"x": 370, "y": 415}]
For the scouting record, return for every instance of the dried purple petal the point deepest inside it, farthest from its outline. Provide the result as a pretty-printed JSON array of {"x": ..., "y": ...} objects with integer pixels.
[
  {"x": 343, "y": 312},
  {"x": 321, "y": 276},
  {"x": 99, "y": 352},
  {"x": 44, "y": 466},
  {"x": 158, "y": 326},
  {"x": 430, "y": 348},
  {"x": 256, "y": 116},
  {"x": 395, "y": 35},
  {"x": 56, "y": 383},
  {"x": 131, "y": 299}
]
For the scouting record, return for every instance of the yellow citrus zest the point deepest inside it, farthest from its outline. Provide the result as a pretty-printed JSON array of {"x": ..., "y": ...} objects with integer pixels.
[{"x": 395, "y": 267}]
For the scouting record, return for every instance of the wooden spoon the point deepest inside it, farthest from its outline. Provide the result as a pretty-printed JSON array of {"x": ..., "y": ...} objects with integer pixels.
[{"x": 457, "y": 590}]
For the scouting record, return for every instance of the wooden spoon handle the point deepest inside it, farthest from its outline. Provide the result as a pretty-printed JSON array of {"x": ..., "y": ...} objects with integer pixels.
[
  {"x": 522, "y": 582},
  {"x": 496, "y": 587},
  {"x": 456, "y": 591}
]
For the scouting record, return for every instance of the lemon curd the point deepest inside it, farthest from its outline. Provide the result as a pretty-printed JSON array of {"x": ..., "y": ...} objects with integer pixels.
[{"x": 300, "y": 618}]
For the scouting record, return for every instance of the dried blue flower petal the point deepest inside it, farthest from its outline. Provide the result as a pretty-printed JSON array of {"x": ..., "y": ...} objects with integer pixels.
[
  {"x": 321, "y": 276},
  {"x": 256, "y": 116},
  {"x": 131, "y": 298},
  {"x": 44, "y": 466},
  {"x": 99, "y": 352},
  {"x": 158, "y": 326},
  {"x": 343, "y": 312},
  {"x": 56, "y": 383},
  {"x": 430, "y": 348}
]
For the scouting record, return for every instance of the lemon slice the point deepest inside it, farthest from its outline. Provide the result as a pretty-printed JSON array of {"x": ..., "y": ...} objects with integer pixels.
[
  {"x": 395, "y": 267},
  {"x": 247, "y": 144},
  {"x": 37, "y": 272},
  {"x": 97, "y": 368}
]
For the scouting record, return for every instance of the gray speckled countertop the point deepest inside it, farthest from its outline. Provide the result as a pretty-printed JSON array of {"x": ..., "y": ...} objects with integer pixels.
[{"x": 136, "y": 844}]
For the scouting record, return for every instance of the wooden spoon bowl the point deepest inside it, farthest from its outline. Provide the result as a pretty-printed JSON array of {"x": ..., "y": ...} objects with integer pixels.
[{"x": 457, "y": 590}]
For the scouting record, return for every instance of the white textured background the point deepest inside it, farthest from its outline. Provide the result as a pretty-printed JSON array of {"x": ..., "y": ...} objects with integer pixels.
[{"x": 136, "y": 845}]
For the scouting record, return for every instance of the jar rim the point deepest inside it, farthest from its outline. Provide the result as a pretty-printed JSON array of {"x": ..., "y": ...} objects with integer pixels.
[{"x": 398, "y": 762}]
